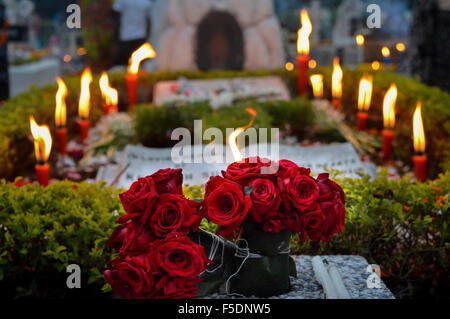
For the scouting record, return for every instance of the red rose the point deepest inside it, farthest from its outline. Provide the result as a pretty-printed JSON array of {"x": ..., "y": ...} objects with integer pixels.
[
  {"x": 265, "y": 199},
  {"x": 225, "y": 204},
  {"x": 117, "y": 237},
  {"x": 332, "y": 204},
  {"x": 311, "y": 224},
  {"x": 174, "y": 213},
  {"x": 131, "y": 277},
  {"x": 138, "y": 201},
  {"x": 137, "y": 239},
  {"x": 250, "y": 168},
  {"x": 168, "y": 181},
  {"x": 284, "y": 166},
  {"x": 178, "y": 257},
  {"x": 301, "y": 189},
  {"x": 170, "y": 288},
  {"x": 274, "y": 226}
]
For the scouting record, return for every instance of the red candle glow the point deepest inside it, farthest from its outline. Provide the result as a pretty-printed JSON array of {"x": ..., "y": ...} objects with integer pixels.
[
  {"x": 84, "y": 104},
  {"x": 60, "y": 116},
  {"x": 420, "y": 159},
  {"x": 389, "y": 120},
  {"x": 142, "y": 53},
  {"x": 42, "y": 148},
  {"x": 364, "y": 98},
  {"x": 109, "y": 94},
  {"x": 303, "y": 51},
  {"x": 336, "y": 83}
]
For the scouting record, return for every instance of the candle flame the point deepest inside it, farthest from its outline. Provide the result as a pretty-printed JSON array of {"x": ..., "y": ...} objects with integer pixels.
[
  {"x": 232, "y": 139},
  {"x": 146, "y": 51},
  {"x": 401, "y": 47},
  {"x": 61, "y": 108},
  {"x": 303, "y": 33},
  {"x": 418, "y": 131},
  {"x": 365, "y": 93},
  {"x": 385, "y": 52},
  {"x": 85, "y": 95},
  {"x": 389, "y": 106},
  {"x": 108, "y": 93},
  {"x": 359, "y": 39},
  {"x": 375, "y": 65},
  {"x": 42, "y": 140},
  {"x": 317, "y": 85},
  {"x": 336, "y": 85}
]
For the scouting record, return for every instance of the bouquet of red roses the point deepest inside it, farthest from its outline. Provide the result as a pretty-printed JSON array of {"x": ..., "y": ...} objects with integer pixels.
[
  {"x": 156, "y": 258},
  {"x": 161, "y": 250},
  {"x": 262, "y": 203}
]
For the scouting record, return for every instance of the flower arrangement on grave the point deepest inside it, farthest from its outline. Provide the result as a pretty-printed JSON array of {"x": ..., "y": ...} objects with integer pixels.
[{"x": 257, "y": 204}]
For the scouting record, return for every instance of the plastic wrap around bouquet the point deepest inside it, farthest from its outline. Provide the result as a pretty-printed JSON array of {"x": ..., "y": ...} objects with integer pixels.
[{"x": 160, "y": 252}]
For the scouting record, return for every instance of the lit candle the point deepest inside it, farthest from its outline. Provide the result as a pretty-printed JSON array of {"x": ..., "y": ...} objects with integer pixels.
[
  {"x": 109, "y": 94},
  {"x": 232, "y": 139},
  {"x": 386, "y": 57},
  {"x": 42, "y": 148},
  {"x": 84, "y": 104},
  {"x": 389, "y": 120},
  {"x": 144, "y": 52},
  {"x": 60, "y": 116},
  {"x": 317, "y": 85},
  {"x": 364, "y": 98},
  {"x": 336, "y": 83},
  {"x": 420, "y": 158},
  {"x": 303, "y": 51}
]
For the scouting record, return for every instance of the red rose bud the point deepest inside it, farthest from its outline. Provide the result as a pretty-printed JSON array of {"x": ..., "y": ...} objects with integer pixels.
[
  {"x": 250, "y": 168},
  {"x": 168, "y": 181},
  {"x": 265, "y": 199},
  {"x": 138, "y": 201}
]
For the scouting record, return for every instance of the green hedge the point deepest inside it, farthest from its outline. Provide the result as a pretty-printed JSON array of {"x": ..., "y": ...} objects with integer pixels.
[
  {"x": 42, "y": 230},
  {"x": 16, "y": 150},
  {"x": 45, "y": 229}
]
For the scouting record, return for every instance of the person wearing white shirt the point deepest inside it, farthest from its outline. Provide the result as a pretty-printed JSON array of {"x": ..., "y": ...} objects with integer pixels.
[{"x": 134, "y": 25}]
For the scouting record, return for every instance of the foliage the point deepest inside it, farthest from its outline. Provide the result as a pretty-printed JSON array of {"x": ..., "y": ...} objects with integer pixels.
[{"x": 42, "y": 230}]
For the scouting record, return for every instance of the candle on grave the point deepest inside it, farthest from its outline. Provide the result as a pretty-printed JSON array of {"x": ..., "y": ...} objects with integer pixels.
[
  {"x": 142, "y": 53},
  {"x": 420, "y": 158},
  {"x": 61, "y": 117},
  {"x": 389, "y": 121},
  {"x": 109, "y": 95},
  {"x": 386, "y": 53},
  {"x": 42, "y": 148},
  {"x": 84, "y": 104},
  {"x": 336, "y": 84},
  {"x": 317, "y": 85},
  {"x": 303, "y": 51},
  {"x": 232, "y": 139},
  {"x": 364, "y": 98}
]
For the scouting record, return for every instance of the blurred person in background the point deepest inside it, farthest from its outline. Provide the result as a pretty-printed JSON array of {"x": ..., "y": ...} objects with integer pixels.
[{"x": 134, "y": 26}]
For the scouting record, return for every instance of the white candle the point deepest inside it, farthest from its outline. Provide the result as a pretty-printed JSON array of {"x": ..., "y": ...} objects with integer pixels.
[
  {"x": 323, "y": 277},
  {"x": 338, "y": 283}
]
